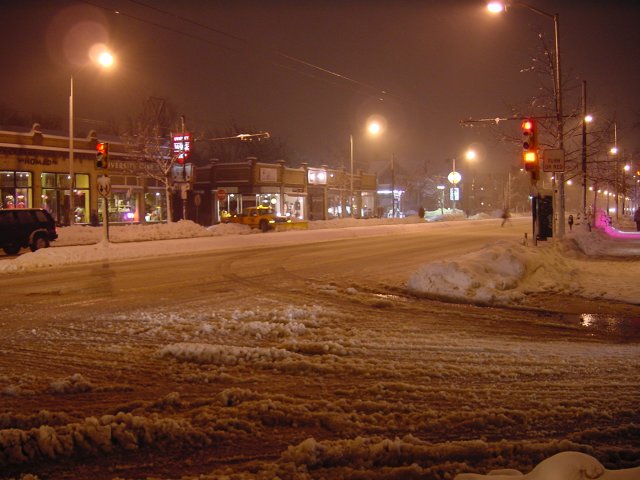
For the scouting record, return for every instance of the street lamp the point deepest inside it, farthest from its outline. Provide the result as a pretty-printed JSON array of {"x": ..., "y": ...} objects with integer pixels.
[
  {"x": 374, "y": 127},
  {"x": 586, "y": 119},
  {"x": 497, "y": 7},
  {"x": 105, "y": 59}
]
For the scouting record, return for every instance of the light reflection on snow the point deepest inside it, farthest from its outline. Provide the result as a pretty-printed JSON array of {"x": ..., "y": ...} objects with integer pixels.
[{"x": 612, "y": 324}]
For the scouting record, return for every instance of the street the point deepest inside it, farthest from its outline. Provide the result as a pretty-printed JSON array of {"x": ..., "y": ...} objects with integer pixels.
[{"x": 301, "y": 361}]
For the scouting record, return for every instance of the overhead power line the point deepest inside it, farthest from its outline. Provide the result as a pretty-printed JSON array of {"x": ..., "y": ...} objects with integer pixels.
[{"x": 252, "y": 48}]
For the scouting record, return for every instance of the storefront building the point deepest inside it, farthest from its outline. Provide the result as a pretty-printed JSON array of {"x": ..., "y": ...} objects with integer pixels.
[
  {"x": 35, "y": 173},
  {"x": 303, "y": 193}
]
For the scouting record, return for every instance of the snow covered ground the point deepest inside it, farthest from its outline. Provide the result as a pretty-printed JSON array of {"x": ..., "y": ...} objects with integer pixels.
[
  {"x": 375, "y": 396},
  {"x": 501, "y": 273}
]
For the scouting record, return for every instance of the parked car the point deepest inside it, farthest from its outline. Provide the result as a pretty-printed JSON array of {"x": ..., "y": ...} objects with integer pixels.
[{"x": 26, "y": 227}]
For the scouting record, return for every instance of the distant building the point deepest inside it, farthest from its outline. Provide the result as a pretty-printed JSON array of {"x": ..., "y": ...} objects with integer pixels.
[{"x": 35, "y": 172}]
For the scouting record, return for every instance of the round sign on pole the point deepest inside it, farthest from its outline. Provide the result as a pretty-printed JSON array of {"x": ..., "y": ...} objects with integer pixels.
[
  {"x": 221, "y": 193},
  {"x": 104, "y": 185},
  {"x": 454, "y": 177}
]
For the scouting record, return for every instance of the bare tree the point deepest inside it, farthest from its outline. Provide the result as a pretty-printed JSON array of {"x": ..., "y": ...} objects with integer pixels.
[{"x": 148, "y": 140}]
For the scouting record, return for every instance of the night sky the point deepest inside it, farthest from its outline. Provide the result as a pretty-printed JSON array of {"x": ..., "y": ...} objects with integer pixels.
[{"x": 311, "y": 72}]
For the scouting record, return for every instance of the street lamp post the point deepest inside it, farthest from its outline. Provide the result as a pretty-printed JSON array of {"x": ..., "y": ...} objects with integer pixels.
[
  {"x": 104, "y": 59},
  {"x": 471, "y": 155},
  {"x": 71, "y": 161},
  {"x": 351, "y": 176},
  {"x": 585, "y": 119},
  {"x": 374, "y": 127},
  {"x": 499, "y": 7}
]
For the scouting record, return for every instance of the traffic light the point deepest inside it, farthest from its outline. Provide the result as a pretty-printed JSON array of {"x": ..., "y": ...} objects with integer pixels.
[
  {"x": 102, "y": 157},
  {"x": 530, "y": 146}
]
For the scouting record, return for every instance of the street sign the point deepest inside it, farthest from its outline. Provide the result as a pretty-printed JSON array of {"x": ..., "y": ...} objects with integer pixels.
[
  {"x": 454, "y": 194},
  {"x": 104, "y": 186},
  {"x": 553, "y": 160},
  {"x": 454, "y": 177},
  {"x": 182, "y": 147},
  {"x": 221, "y": 194}
]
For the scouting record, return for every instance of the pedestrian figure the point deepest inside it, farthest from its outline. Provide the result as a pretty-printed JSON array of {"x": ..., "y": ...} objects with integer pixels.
[
  {"x": 636, "y": 218},
  {"x": 505, "y": 216},
  {"x": 570, "y": 222}
]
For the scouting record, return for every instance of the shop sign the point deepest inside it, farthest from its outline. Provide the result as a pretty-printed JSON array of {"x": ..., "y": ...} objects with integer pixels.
[
  {"x": 37, "y": 161},
  {"x": 268, "y": 174},
  {"x": 182, "y": 147},
  {"x": 317, "y": 176},
  {"x": 124, "y": 165}
]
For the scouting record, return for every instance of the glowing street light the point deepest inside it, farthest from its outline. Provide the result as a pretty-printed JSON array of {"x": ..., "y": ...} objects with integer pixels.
[
  {"x": 498, "y": 7},
  {"x": 374, "y": 127},
  {"x": 471, "y": 154},
  {"x": 104, "y": 58}
]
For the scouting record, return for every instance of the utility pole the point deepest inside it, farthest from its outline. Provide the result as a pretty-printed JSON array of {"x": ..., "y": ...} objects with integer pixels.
[
  {"x": 393, "y": 186},
  {"x": 184, "y": 176},
  {"x": 584, "y": 148}
]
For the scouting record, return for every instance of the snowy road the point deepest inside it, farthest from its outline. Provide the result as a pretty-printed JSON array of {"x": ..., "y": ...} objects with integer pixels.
[{"x": 302, "y": 361}]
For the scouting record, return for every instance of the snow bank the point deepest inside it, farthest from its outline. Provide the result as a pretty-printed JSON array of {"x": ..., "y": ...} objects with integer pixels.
[
  {"x": 562, "y": 466},
  {"x": 506, "y": 272}
]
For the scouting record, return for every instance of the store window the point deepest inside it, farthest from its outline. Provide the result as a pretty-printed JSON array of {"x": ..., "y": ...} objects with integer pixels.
[
  {"x": 269, "y": 200},
  {"x": 55, "y": 196},
  {"x": 124, "y": 206},
  {"x": 155, "y": 206},
  {"x": 16, "y": 189},
  {"x": 293, "y": 206},
  {"x": 229, "y": 206},
  {"x": 81, "y": 203},
  {"x": 334, "y": 208},
  {"x": 367, "y": 209}
]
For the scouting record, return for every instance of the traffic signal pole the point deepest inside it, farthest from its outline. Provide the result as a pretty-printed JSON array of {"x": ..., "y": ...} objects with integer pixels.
[{"x": 104, "y": 185}]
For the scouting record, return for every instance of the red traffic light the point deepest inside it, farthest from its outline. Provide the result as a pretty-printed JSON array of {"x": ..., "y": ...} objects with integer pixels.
[
  {"x": 102, "y": 157},
  {"x": 527, "y": 125},
  {"x": 528, "y": 131}
]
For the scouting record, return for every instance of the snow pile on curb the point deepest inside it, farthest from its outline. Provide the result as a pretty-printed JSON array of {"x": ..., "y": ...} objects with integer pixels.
[{"x": 503, "y": 272}]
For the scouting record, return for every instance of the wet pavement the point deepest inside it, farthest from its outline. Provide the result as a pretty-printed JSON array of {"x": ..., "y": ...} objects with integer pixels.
[{"x": 620, "y": 326}]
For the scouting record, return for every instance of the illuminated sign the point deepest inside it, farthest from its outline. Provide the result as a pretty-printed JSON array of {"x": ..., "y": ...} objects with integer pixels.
[
  {"x": 316, "y": 176},
  {"x": 454, "y": 177},
  {"x": 182, "y": 147}
]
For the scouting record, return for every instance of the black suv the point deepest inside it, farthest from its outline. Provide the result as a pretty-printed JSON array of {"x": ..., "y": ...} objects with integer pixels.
[{"x": 26, "y": 227}]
